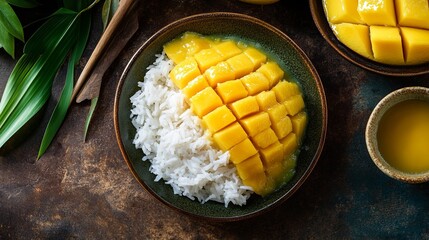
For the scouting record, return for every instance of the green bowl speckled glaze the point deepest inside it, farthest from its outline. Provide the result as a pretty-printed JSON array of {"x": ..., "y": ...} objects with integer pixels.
[{"x": 290, "y": 57}]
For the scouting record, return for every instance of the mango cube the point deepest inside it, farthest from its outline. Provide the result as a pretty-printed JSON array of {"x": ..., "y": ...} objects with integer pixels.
[
  {"x": 257, "y": 182},
  {"x": 294, "y": 104},
  {"x": 205, "y": 101},
  {"x": 218, "y": 119},
  {"x": 255, "y": 83},
  {"x": 416, "y": 45},
  {"x": 207, "y": 58},
  {"x": 272, "y": 154},
  {"x": 231, "y": 91},
  {"x": 184, "y": 72},
  {"x": 283, "y": 127},
  {"x": 186, "y": 46},
  {"x": 277, "y": 112},
  {"x": 242, "y": 151},
  {"x": 219, "y": 73},
  {"x": 256, "y": 123},
  {"x": 354, "y": 36},
  {"x": 241, "y": 65},
  {"x": 266, "y": 100},
  {"x": 229, "y": 136},
  {"x": 376, "y": 12},
  {"x": 342, "y": 11},
  {"x": 250, "y": 167},
  {"x": 413, "y": 13},
  {"x": 299, "y": 122},
  {"x": 194, "y": 86},
  {"x": 387, "y": 44},
  {"x": 256, "y": 57},
  {"x": 227, "y": 49},
  {"x": 285, "y": 90},
  {"x": 265, "y": 138},
  {"x": 272, "y": 71},
  {"x": 290, "y": 144},
  {"x": 275, "y": 171},
  {"x": 244, "y": 107}
]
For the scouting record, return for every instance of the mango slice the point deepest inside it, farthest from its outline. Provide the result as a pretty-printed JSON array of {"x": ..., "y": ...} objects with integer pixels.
[
  {"x": 245, "y": 104},
  {"x": 386, "y": 31}
]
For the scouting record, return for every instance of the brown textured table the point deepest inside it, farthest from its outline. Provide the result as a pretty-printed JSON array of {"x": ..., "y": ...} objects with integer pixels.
[{"x": 84, "y": 190}]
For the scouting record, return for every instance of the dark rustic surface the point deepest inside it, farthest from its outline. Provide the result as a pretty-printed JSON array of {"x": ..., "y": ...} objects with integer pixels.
[{"x": 84, "y": 190}]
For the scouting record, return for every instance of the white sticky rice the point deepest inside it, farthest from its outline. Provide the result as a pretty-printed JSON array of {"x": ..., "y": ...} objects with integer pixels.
[{"x": 179, "y": 149}]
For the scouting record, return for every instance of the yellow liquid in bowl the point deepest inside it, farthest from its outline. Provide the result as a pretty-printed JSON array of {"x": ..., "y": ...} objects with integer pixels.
[{"x": 403, "y": 136}]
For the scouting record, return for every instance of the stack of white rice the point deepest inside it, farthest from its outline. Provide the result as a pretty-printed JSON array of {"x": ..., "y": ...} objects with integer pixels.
[{"x": 179, "y": 149}]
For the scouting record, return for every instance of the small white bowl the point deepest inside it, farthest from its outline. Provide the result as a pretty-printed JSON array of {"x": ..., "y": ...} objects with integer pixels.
[{"x": 407, "y": 93}]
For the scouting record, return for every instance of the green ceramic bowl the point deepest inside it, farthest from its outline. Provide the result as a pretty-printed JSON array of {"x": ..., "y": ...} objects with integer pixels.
[{"x": 292, "y": 59}]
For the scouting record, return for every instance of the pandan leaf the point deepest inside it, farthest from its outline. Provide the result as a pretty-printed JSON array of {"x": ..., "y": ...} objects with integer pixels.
[
  {"x": 109, "y": 9},
  {"x": 23, "y": 3},
  {"x": 29, "y": 85},
  {"x": 7, "y": 41},
  {"x": 91, "y": 111},
  {"x": 10, "y": 20},
  {"x": 63, "y": 104}
]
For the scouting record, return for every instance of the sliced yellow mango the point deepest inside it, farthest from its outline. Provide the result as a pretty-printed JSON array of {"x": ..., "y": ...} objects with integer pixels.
[
  {"x": 339, "y": 11},
  {"x": 272, "y": 154},
  {"x": 184, "y": 72},
  {"x": 229, "y": 136},
  {"x": 266, "y": 100},
  {"x": 205, "y": 101},
  {"x": 194, "y": 86},
  {"x": 299, "y": 122},
  {"x": 354, "y": 36},
  {"x": 242, "y": 151},
  {"x": 416, "y": 45},
  {"x": 277, "y": 112},
  {"x": 387, "y": 44},
  {"x": 290, "y": 144},
  {"x": 255, "y": 83},
  {"x": 413, "y": 13},
  {"x": 227, "y": 49},
  {"x": 265, "y": 138},
  {"x": 219, "y": 73},
  {"x": 294, "y": 105},
  {"x": 256, "y": 123},
  {"x": 218, "y": 119},
  {"x": 377, "y": 12},
  {"x": 241, "y": 65},
  {"x": 272, "y": 71},
  {"x": 207, "y": 58},
  {"x": 256, "y": 57},
  {"x": 231, "y": 91},
  {"x": 244, "y": 107},
  {"x": 283, "y": 127}
]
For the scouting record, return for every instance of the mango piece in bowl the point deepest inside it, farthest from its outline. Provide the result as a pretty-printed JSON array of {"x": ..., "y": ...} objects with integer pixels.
[
  {"x": 246, "y": 103},
  {"x": 392, "y": 32}
]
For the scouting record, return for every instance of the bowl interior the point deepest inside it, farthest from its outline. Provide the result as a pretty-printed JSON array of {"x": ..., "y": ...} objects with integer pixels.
[
  {"x": 403, "y": 94},
  {"x": 319, "y": 18},
  {"x": 283, "y": 49}
]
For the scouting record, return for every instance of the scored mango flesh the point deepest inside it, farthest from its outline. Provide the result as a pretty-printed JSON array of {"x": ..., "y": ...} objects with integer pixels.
[
  {"x": 246, "y": 104},
  {"x": 394, "y": 32}
]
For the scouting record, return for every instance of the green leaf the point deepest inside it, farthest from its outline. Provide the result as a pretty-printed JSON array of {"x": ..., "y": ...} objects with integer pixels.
[
  {"x": 47, "y": 35},
  {"x": 24, "y": 3},
  {"x": 63, "y": 104},
  {"x": 76, "y": 5},
  {"x": 109, "y": 9},
  {"x": 26, "y": 90},
  {"x": 91, "y": 111},
  {"x": 7, "y": 41},
  {"x": 10, "y": 20}
]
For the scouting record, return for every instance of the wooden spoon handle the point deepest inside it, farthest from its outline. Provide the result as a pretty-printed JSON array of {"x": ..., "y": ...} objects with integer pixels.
[{"x": 123, "y": 8}]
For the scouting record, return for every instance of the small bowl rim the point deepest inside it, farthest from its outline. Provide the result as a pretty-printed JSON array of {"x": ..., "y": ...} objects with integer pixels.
[
  {"x": 390, "y": 100},
  {"x": 319, "y": 18},
  {"x": 275, "y": 30}
]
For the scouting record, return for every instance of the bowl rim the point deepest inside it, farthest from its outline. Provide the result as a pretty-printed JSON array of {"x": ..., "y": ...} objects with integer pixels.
[
  {"x": 390, "y": 100},
  {"x": 319, "y": 18},
  {"x": 254, "y": 20}
]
